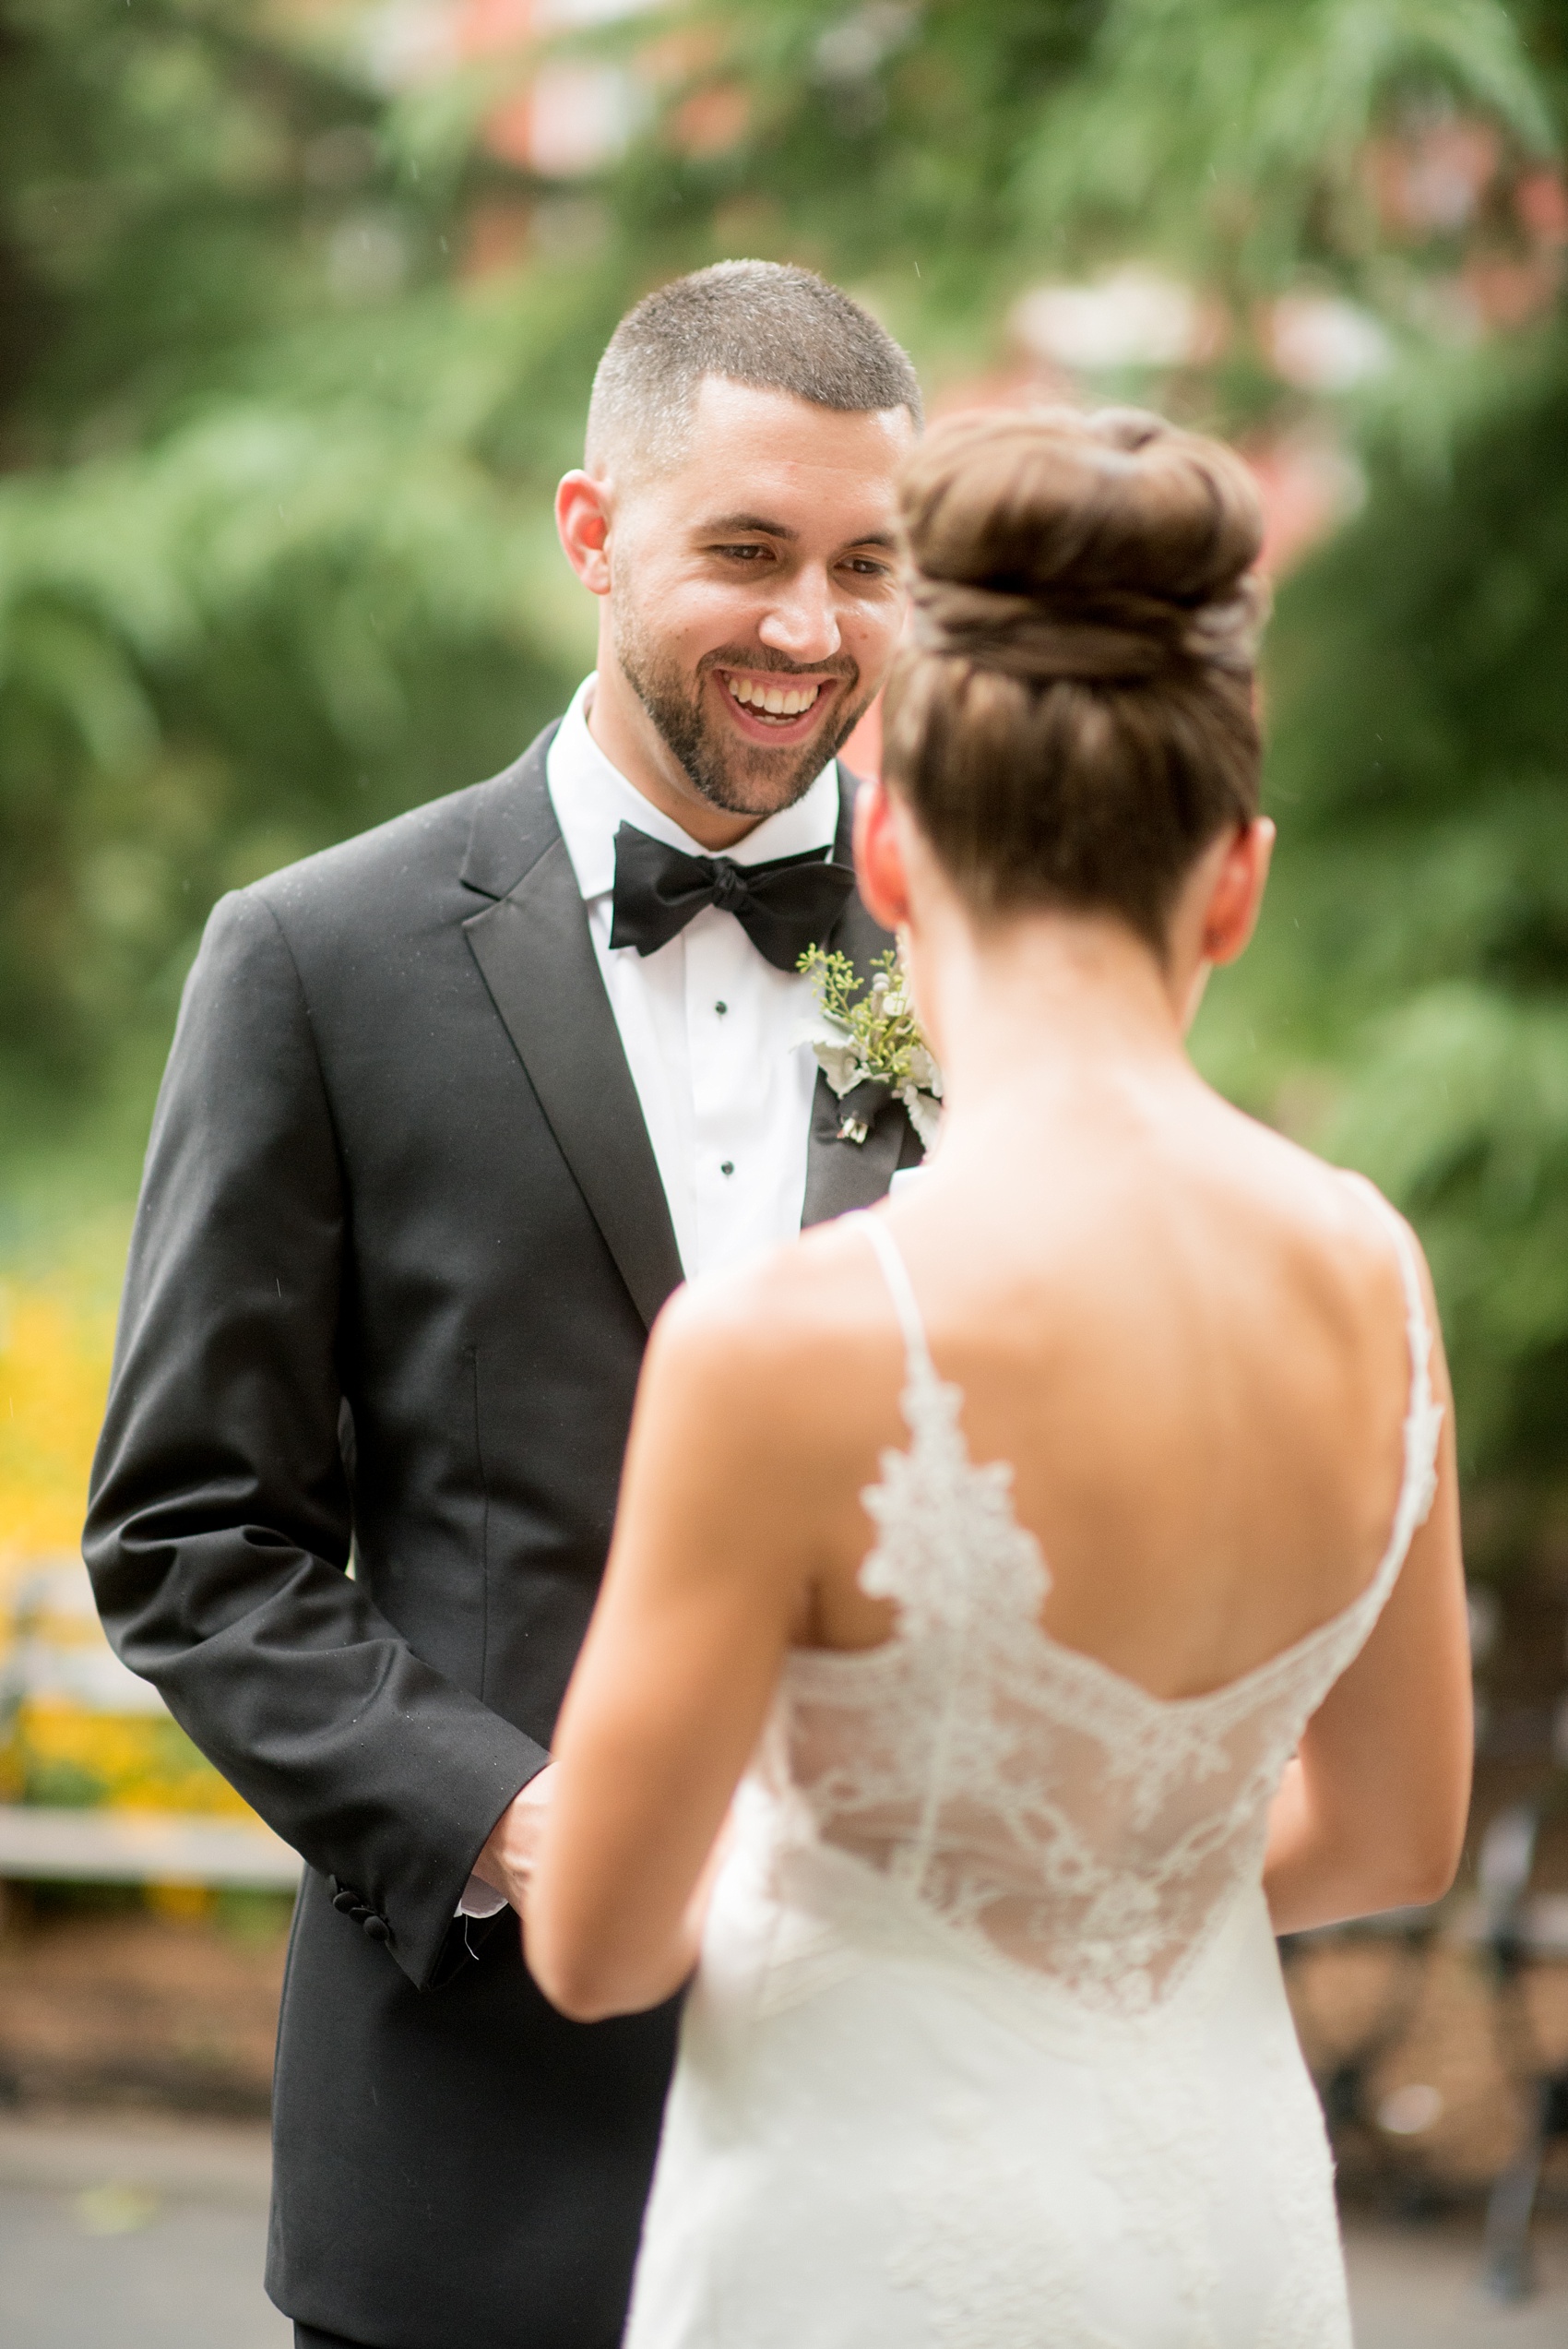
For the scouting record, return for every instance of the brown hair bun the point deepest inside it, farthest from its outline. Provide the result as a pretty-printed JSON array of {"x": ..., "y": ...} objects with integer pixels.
[{"x": 1072, "y": 719}]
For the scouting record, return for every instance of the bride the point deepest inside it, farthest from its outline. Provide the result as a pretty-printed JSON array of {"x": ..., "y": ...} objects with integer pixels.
[{"x": 1029, "y": 1599}]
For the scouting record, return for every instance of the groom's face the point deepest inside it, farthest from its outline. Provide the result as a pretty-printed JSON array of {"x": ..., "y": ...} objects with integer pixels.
[{"x": 754, "y": 597}]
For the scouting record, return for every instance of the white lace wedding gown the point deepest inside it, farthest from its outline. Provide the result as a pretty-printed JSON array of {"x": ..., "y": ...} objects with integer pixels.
[{"x": 988, "y": 2048}]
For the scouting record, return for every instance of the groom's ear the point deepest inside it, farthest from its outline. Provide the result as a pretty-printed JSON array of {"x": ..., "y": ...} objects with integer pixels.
[
  {"x": 582, "y": 519},
  {"x": 879, "y": 857}
]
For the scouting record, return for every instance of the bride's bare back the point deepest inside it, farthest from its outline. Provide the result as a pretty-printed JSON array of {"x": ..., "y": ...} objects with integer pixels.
[{"x": 1186, "y": 1338}]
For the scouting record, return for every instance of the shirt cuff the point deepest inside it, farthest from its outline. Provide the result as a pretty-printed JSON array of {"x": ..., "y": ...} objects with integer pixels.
[{"x": 480, "y": 1899}]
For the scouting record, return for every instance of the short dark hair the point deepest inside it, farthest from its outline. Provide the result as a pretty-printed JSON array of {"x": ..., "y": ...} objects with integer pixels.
[{"x": 762, "y": 323}]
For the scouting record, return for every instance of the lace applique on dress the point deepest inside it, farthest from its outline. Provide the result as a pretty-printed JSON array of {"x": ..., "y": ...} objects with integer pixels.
[{"x": 1046, "y": 1811}]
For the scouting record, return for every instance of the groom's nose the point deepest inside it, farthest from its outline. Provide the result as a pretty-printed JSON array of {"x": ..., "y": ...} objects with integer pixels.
[{"x": 802, "y": 621}]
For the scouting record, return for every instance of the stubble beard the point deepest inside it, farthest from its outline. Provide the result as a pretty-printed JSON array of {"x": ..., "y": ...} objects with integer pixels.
[{"x": 737, "y": 777}]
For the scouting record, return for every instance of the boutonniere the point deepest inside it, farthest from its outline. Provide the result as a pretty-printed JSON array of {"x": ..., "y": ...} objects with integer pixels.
[{"x": 869, "y": 1047}]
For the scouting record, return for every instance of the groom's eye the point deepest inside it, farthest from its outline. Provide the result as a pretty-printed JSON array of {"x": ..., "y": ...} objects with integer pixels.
[{"x": 743, "y": 554}]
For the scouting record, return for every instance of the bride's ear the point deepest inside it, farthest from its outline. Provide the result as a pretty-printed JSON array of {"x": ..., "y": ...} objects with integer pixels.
[
  {"x": 1218, "y": 912},
  {"x": 1236, "y": 898},
  {"x": 879, "y": 857}
]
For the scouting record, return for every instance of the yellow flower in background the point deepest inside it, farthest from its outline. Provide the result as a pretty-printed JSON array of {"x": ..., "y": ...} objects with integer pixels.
[
  {"x": 54, "y": 1350},
  {"x": 67, "y": 1754},
  {"x": 76, "y": 1728}
]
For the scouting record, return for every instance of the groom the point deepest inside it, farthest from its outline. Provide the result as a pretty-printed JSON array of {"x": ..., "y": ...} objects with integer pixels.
[{"x": 451, "y": 1110}]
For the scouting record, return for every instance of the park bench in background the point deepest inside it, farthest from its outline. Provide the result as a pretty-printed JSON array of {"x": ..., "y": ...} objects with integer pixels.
[{"x": 43, "y": 1845}]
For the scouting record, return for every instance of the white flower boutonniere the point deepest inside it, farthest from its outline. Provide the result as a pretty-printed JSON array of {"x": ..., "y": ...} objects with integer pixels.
[{"x": 871, "y": 1038}]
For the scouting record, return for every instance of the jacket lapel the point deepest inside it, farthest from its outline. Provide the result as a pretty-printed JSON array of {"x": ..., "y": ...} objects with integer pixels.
[
  {"x": 532, "y": 946},
  {"x": 841, "y": 1177}
]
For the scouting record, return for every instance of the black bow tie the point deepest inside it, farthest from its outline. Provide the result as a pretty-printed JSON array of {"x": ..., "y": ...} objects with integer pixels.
[{"x": 783, "y": 907}]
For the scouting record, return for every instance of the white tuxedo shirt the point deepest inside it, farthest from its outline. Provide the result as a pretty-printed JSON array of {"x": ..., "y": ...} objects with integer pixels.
[{"x": 711, "y": 1032}]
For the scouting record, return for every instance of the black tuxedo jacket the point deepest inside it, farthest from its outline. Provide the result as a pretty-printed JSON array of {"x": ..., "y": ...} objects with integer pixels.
[{"x": 399, "y": 1242}]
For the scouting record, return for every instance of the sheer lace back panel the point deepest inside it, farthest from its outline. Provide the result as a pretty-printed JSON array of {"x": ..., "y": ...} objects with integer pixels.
[{"x": 1049, "y": 1812}]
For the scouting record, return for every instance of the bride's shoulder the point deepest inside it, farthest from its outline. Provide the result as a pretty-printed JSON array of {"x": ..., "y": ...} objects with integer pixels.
[
  {"x": 819, "y": 1289},
  {"x": 796, "y": 1325},
  {"x": 1328, "y": 1223}
]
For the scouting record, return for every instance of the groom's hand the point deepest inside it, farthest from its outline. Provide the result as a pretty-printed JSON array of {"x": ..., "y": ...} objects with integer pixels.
[{"x": 506, "y": 1861}]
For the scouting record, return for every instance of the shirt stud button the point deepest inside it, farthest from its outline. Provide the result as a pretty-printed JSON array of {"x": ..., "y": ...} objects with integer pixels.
[
  {"x": 728, "y": 1167},
  {"x": 721, "y": 1009}
]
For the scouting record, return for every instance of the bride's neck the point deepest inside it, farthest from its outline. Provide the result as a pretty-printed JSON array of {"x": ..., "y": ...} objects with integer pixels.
[{"x": 1059, "y": 1003}]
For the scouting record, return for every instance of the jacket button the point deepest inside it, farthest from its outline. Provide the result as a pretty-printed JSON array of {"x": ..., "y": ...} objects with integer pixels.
[
  {"x": 344, "y": 1900},
  {"x": 377, "y": 1928}
]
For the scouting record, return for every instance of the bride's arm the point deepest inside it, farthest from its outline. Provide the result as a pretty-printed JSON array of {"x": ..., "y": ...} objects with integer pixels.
[
  {"x": 676, "y": 1676},
  {"x": 1372, "y": 1813}
]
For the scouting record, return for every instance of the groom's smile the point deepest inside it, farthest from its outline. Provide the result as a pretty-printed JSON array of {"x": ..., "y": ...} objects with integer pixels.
[
  {"x": 776, "y": 709},
  {"x": 778, "y": 706}
]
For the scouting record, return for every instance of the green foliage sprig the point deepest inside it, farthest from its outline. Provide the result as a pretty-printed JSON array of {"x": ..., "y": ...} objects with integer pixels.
[{"x": 874, "y": 1038}]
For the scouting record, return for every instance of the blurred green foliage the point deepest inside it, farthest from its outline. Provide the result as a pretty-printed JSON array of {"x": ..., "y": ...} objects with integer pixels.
[
  {"x": 291, "y": 357},
  {"x": 1411, "y": 985},
  {"x": 270, "y": 568}
]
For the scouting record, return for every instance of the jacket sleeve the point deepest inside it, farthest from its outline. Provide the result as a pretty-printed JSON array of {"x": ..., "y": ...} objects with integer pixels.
[{"x": 219, "y": 1526}]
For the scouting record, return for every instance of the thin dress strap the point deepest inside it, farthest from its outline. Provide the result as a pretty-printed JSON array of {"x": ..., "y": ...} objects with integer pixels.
[
  {"x": 1415, "y": 1306},
  {"x": 1423, "y": 1417},
  {"x": 896, "y": 1273}
]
